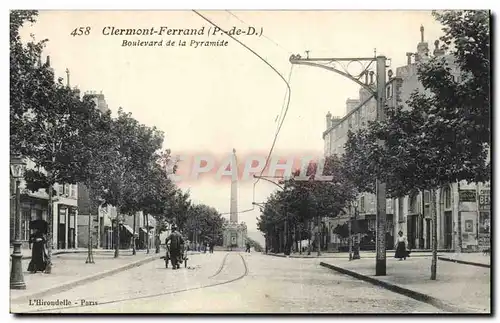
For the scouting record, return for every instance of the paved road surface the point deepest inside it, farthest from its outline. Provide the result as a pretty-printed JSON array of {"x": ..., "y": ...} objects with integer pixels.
[{"x": 231, "y": 283}]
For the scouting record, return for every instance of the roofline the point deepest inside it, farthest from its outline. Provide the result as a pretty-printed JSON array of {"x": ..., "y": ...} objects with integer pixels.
[{"x": 354, "y": 110}]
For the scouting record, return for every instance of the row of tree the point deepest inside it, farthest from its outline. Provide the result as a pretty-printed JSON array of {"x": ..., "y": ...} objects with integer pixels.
[
  {"x": 439, "y": 136},
  {"x": 288, "y": 214},
  {"x": 119, "y": 160}
]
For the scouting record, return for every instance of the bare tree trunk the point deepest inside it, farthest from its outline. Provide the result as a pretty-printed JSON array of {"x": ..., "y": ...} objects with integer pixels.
[
  {"x": 309, "y": 238},
  {"x": 459, "y": 224},
  {"x": 434, "y": 234},
  {"x": 147, "y": 232},
  {"x": 117, "y": 233},
  {"x": 318, "y": 236},
  {"x": 50, "y": 229},
  {"x": 478, "y": 214},
  {"x": 133, "y": 235}
]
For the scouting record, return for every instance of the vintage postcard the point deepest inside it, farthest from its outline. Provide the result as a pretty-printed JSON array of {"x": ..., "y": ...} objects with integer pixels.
[{"x": 198, "y": 161}]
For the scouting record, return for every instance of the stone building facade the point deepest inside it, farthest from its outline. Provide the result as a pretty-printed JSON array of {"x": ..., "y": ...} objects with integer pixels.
[{"x": 411, "y": 214}]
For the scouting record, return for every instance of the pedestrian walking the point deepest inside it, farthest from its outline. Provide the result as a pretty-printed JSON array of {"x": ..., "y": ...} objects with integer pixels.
[
  {"x": 176, "y": 243},
  {"x": 402, "y": 247},
  {"x": 212, "y": 246},
  {"x": 248, "y": 247},
  {"x": 157, "y": 243},
  {"x": 38, "y": 252}
]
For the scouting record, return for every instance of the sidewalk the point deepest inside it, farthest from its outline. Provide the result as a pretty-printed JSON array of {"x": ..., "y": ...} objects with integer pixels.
[
  {"x": 70, "y": 270},
  {"x": 458, "y": 288},
  {"x": 27, "y": 252},
  {"x": 476, "y": 259},
  {"x": 363, "y": 254}
]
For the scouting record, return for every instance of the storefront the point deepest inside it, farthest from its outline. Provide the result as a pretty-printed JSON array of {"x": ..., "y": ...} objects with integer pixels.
[
  {"x": 66, "y": 226},
  {"x": 484, "y": 228}
]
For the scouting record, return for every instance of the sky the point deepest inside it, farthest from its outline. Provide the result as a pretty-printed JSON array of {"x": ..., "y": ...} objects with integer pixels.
[{"x": 209, "y": 100}]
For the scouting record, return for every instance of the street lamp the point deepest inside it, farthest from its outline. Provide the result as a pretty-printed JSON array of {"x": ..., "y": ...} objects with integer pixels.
[
  {"x": 356, "y": 246},
  {"x": 17, "y": 168}
]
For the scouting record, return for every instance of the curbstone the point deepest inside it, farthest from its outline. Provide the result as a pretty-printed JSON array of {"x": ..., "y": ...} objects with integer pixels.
[
  {"x": 81, "y": 281},
  {"x": 464, "y": 262},
  {"x": 329, "y": 257},
  {"x": 401, "y": 290}
]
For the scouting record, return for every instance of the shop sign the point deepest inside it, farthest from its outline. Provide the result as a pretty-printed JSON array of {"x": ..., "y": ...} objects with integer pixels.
[
  {"x": 484, "y": 200},
  {"x": 467, "y": 196},
  {"x": 484, "y": 240}
]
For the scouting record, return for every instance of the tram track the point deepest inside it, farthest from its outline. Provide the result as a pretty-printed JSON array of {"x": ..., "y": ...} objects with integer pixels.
[{"x": 182, "y": 290}]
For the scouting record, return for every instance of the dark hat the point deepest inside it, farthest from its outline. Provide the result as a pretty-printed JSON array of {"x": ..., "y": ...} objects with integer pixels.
[{"x": 174, "y": 227}]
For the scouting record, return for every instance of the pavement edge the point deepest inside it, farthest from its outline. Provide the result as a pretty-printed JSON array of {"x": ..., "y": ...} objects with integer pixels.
[
  {"x": 398, "y": 289},
  {"x": 463, "y": 262},
  {"x": 78, "y": 282}
]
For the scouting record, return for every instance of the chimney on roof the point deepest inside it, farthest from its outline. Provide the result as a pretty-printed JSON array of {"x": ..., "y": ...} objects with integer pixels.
[
  {"x": 437, "y": 51},
  {"x": 48, "y": 61}
]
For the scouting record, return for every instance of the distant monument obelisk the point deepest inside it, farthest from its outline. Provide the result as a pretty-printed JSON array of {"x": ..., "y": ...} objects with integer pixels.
[
  {"x": 233, "y": 211},
  {"x": 235, "y": 234}
]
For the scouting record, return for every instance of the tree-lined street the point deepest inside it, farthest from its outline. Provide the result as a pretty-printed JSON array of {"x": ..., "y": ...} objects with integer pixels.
[
  {"x": 426, "y": 158},
  {"x": 262, "y": 284}
]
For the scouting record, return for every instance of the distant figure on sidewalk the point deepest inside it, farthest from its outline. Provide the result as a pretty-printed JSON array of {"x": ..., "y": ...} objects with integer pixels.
[
  {"x": 248, "y": 247},
  {"x": 38, "y": 253},
  {"x": 212, "y": 246},
  {"x": 157, "y": 243},
  {"x": 402, "y": 245}
]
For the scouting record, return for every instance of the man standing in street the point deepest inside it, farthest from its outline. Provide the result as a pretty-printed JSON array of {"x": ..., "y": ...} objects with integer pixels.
[{"x": 176, "y": 242}]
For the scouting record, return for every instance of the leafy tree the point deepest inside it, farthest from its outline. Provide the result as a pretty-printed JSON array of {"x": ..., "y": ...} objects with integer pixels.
[
  {"x": 444, "y": 136},
  {"x": 30, "y": 81},
  {"x": 204, "y": 223},
  {"x": 134, "y": 149}
]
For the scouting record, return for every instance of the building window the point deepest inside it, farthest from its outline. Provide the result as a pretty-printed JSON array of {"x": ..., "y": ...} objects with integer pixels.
[
  {"x": 426, "y": 197},
  {"x": 362, "y": 204},
  {"x": 413, "y": 204},
  {"x": 66, "y": 189},
  {"x": 371, "y": 225},
  {"x": 60, "y": 189},
  {"x": 389, "y": 91},
  {"x": 401, "y": 217},
  {"x": 447, "y": 198},
  {"x": 73, "y": 190},
  {"x": 25, "y": 224}
]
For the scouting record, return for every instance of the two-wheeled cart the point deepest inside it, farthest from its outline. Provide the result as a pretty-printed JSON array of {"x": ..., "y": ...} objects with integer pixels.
[{"x": 184, "y": 257}]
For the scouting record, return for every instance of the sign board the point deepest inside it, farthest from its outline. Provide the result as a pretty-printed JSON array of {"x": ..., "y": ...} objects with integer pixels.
[
  {"x": 484, "y": 223},
  {"x": 484, "y": 240},
  {"x": 467, "y": 195},
  {"x": 469, "y": 226},
  {"x": 484, "y": 200}
]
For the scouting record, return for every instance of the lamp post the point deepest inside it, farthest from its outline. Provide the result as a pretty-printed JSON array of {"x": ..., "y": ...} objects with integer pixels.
[
  {"x": 356, "y": 246},
  {"x": 17, "y": 168},
  {"x": 350, "y": 232}
]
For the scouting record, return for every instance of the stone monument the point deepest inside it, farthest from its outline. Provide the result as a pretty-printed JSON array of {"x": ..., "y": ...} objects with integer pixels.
[{"x": 235, "y": 234}]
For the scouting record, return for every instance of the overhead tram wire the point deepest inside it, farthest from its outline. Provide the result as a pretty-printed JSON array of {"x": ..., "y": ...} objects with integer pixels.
[
  {"x": 265, "y": 36},
  {"x": 287, "y": 105},
  {"x": 281, "y": 47}
]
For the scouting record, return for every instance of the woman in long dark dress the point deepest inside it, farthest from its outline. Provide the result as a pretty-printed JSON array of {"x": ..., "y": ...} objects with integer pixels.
[
  {"x": 402, "y": 245},
  {"x": 38, "y": 255}
]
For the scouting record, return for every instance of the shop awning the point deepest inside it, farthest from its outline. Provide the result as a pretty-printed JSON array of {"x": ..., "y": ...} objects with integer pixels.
[{"x": 129, "y": 229}]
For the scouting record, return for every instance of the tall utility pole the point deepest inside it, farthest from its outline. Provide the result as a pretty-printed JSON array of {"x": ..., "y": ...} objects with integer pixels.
[
  {"x": 381, "y": 219},
  {"x": 342, "y": 66}
]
